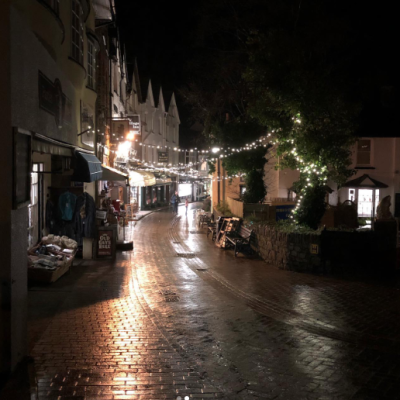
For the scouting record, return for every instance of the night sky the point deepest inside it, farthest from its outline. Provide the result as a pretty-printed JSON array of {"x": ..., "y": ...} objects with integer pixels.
[{"x": 160, "y": 35}]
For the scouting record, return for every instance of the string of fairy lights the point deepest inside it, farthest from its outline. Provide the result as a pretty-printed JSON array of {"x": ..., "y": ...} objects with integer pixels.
[{"x": 313, "y": 172}]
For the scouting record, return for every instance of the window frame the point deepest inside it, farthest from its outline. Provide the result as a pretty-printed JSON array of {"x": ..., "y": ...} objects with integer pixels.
[
  {"x": 77, "y": 31},
  {"x": 91, "y": 64},
  {"x": 371, "y": 147}
]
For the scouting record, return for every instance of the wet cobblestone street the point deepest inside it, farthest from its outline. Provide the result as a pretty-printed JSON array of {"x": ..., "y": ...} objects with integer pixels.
[{"x": 179, "y": 317}]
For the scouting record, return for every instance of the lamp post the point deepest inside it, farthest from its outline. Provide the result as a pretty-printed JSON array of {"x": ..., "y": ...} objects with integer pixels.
[{"x": 216, "y": 150}]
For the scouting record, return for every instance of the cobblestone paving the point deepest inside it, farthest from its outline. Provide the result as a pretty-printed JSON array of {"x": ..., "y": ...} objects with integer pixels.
[
  {"x": 102, "y": 344},
  {"x": 180, "y": 317},
  {"x": 262, "y": 333}
]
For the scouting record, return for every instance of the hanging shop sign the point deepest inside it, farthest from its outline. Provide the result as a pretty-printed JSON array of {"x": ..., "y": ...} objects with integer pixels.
[
  {"x": 134, "y": 124},
  {"x": 163, "y": 156},
  {"x": 54, "y": 101}
]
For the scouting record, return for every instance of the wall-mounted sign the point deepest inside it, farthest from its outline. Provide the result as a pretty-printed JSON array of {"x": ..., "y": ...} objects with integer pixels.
[
  {"x": 283, "y": 212},
  {"x": 163, "y": 156},
  {"x": 314, "y": 249},
  {"x": 54, "y": 101}
]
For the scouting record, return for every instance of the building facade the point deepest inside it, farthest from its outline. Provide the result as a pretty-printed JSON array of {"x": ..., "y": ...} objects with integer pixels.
[{"x": 52, "y": 101}]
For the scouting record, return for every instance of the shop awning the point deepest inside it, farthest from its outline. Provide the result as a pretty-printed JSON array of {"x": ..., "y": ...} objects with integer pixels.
[
  {"x": 141, "y": 178},
  {"x": 162, "y": 179},
  {"x": 365, "y": 181},
  {"x": 113, "y": 175},
  {"x": 88, "y": 168}
]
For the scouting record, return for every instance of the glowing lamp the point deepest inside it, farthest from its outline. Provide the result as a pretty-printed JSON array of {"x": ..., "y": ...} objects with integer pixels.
[{"x": 130, "y": 135}]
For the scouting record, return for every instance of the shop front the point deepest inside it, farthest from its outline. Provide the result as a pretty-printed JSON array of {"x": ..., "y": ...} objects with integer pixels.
[
  {"x": 61, "y": 210},
  {"x": 141, "y": 188}
]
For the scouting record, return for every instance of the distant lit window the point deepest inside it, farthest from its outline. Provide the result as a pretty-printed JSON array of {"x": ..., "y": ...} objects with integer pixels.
[
  {"x": 77, "y": 31},
  {"x": 91, "y": 65},
  {"x": 364, "y": 152}
]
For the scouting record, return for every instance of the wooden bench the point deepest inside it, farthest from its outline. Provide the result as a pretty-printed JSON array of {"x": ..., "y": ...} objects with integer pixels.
[
  {"x": 240, "y": 239},
  {"x": 204, "y": 219},
  {"x": 212, "y": 228}
]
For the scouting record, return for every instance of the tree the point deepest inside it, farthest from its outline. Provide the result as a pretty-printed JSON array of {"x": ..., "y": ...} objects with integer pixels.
[
  {"x": 251, "y": 163},
  {"x": 301, "y": 72}
]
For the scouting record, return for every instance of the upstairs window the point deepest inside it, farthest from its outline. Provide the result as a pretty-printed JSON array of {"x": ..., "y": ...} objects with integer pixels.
[
  {"x": 77, "y": 31},
  {"x": 364, "y": 152},
  {"x": 91, "y": 65}
]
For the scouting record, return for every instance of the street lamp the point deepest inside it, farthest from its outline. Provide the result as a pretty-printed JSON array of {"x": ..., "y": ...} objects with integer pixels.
[{"x": 215, "y": 149}]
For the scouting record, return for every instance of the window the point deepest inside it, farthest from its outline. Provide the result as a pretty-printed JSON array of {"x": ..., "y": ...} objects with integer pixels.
[
  {"x": 77, "y": 31},
  {"x": 364, "y": 152},
  {"x": 115, "y": 76},
  {"x": 91, "y": 65}
]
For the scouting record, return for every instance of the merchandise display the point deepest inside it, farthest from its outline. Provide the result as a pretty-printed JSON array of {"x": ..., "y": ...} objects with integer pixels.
[{"x": 51, "y": 258}]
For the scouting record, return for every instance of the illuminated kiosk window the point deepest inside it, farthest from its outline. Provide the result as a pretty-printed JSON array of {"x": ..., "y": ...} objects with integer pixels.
[
  {"x": 364, "y": 199},
  {"x": 185, "y": 189},
  {"x": 365, "y": 202}
]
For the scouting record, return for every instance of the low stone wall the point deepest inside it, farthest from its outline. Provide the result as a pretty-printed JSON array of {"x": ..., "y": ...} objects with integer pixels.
[
  {"x": 357, "y": 252},
  {"x": 289, "y": 251}
]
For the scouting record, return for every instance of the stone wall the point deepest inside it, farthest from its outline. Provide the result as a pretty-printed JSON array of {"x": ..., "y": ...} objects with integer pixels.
[
  {"x": 289, "y": 251},
  {"x": 356, "y": 252}
]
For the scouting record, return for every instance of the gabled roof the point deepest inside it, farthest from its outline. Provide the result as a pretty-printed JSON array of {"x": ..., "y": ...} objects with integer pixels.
[
  {"x": 365, "y": 181},
  {"x": 150, "y": 95},
  {"x": 161, "y": 103},
  {"x": 173, "y": 109},
  {"x": 136, "y": 82}
]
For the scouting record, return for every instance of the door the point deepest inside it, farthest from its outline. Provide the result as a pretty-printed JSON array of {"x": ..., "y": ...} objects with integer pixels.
[
  {"x": 35, "y": 208},
  {"x": 367, "y": 202}
]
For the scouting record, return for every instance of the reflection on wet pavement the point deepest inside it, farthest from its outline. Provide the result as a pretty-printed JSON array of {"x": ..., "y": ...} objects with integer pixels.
[{"x": 157, "y": 325}]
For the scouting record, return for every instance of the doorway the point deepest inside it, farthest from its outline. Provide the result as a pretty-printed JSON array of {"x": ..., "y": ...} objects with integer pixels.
[{"x": 35, "y": 208}]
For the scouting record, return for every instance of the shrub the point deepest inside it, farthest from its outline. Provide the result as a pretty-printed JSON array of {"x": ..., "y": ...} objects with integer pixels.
[
  {"x": 207, "y": 205},
  {"x": 224, "y": 209}
]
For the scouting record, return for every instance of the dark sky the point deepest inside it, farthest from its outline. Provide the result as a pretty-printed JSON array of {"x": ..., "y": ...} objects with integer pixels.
[{"x": 160, "y": 35}]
